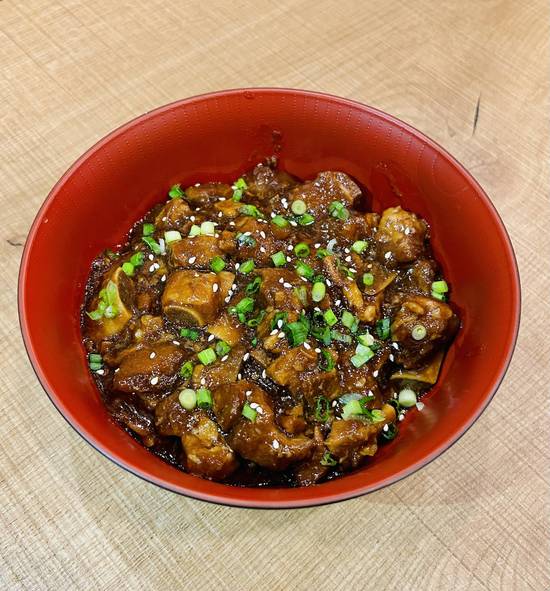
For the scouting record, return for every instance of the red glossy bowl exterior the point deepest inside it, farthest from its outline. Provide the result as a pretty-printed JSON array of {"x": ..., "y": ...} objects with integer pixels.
[{"x": 218, "y": 136}]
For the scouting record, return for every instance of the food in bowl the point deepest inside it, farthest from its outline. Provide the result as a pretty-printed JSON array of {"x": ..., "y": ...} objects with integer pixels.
[{"x": 268, "y": 333}]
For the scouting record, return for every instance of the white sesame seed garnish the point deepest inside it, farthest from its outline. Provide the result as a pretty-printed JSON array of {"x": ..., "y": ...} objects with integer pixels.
[
  {"x": 401, "y": 417},
  {"x": 348, "y": 259},
  {"x": 317, "y": 245},
  {"x": 248, "y": 393},
  {"x": 154, "y": 381},
  {"x": 237, "y": 265},
  {"x": 375, "y": 373},
  {"x": 259, "y": 410},
  {"x": 387, "y": 255},
  {"x": 239, "y": 376},
  {"x": 307, "y": 346},
  {"x": 192, "y": 218},
  {"x": 352, "y": 270},
  {"x": 151, "y": 257},
  {"x": 346, "y": 250},
  {"x": 163, "y": 278},
  {"x": 254, "y": 405},
  {"x": 303, "y": 278},
  {"x": 280, "y": 335},
  {"x": 100, "y": 372},
  {"x": 211, "y": 338},
  {"x": 264, "y": 374},
  {"x": 317, "y": 350},
  {"x": 391, "y": 357},
  {"x": 152, "y": 268},
  {"x": 329, "y": 282},
  {"x": 224, "y": 358},
  {"x": 281, "y": 280},
  {"x": 221, "y": 198},
  {"x": 247, "y": 233},
  {"x": 262, "y": 249},
  {"x": 231, "y": 223},
  {"x": 227, "y": 299},
  {"x": 272, "y": 214},
  {"x": 408, "y": 231},
  {"x": 337, "y": 302},
  {"x": 395, "y": 345},
  {"x": 287, "y": 285},
  {"x": 152, "y": 355},
  {"x": 117, "y": 369},
  {"x": 215, "y": 287},
  {"x": 288, "y": 259},
  {"x": 419, "y": 405},
  {"x": 385, "y": 428},
  {"x": 262, "y": 234},
  {"x": 220, "y": 214},
  {"x": 192, "y": 260},
  {"x": 164, "y": 218},
  {"x": 334, "y": 403},
  {"x": 246, "y": 356},
  {"x": 275, "y": 444},
  {"x": 290, "y": 247},
  {"x": 203, "y": 381},
  {"x": 177, "y": 343},
  {"x": 279, "y": 324},
  {"x": 234, "y": 286},
  {"x": 293, "y": 223},
  {"x": 216, "y": 235},
  {"x": 273, "y": 332}
]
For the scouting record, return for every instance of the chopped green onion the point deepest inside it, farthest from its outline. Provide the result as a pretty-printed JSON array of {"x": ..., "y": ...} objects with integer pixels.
[
  {"x": 95, "y": 366},
  {"x": 306, "y": 219},
  {"x": 338, "y": 210},
  {"x": 282, "y": 316},
  {"x": 318, "y": 292},
  {"x": 376, "y": 415},
  {"x": 186, "y": 370},
  {"x": 148, "y": 229},
  {"x": 383, "y": 328},
  {"x": 253, "y": 286},
  {"x": 301, "y": 293},
  {"x": 362, "y": 355},
  {"x": 341, "y": 337},
  {"x": 106, "y": 306},
  {"x": 345, "y": 398},
  {"x": 245, "y": 306},
  {"x": 350, "y": 321},
  {"x": 222, "y": 348},
  {"x": 353, "y": 407},
  {"x": 95, "y": 314},
  {"x": 194, "y": 231},
  {"x": 254, "y": 342},
  {"x": 217, "y": 264},
  {"x": 95, "y": 358},
  {"x": 249, "y": 413},
  {"x": 440, "y": 286},
  {"x": 366, "y": 339},
  {"x": 390, "y": 433},
  {"x": 128, "y": 268},
  {"x": 418, "y": 332},
  {"x": 301, "y": 250},
  {"x": 238, "y": 187},
  {"x": 328, "y": 460},
  {"x": 327, "y": 364},
  {"x": 330, "y": 317},
  {"x": 237, "y": 194},
  {"x": 359, "y": 246},
  {"x": 254, "y": 322},
  {"x": 137, "y": 259},
  {"x": 251, "y": 210},
  {"x": 245, "y": 239},
  {"x": 176, "y": 192},
  {"x": 279, "y": 221},
  {"x": 368, "y": 278},
  {"x": 322, "y": 409},
  {"x": 111, "y": 312},
  {"x": 322, "y": 253},
  {"x": 296, "y": 333},
  {"x": 189, "y": 333},
  {"x": 204, "y": 398},
  {"x": 171, "y": 236},
  {"x": 152, "y": 244},
  {"x": 438, "y": 296},
  {"x": 207, "y": 356},
  {"x": 246, "y": 267},
  {"x": 188, "y": 398},
  {"x": 407, "y": 397},
  {"x": 208, "y": 228},
  {"x": 304, "y": 270},
  {"x": 298, "y": 207},
  {"x": 279, "y": 259}
]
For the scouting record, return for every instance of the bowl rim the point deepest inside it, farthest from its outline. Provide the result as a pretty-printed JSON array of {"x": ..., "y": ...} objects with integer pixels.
[{"x": 241, "y": 501}]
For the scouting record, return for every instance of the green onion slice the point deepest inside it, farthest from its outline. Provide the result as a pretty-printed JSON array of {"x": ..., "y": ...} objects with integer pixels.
[
  {"x": 359, "y": 246},
  {"x": 176, "y": 192},
  {"x": 249, "y": 413},
  {"x": 318, "y": 291},
  {"x": 301, "y": 250},
  {"x": 298, "y": 207},
  {"x": 279, "y": 259},
  {"x": 204, "y": 398},
  {"x": 322, "y": 409},
  {"x": 188, "y": 398},
  {"x": 207, "y": 356},
  {"x": 368, "y": 279},
  {"x": 217, "y": 264}
]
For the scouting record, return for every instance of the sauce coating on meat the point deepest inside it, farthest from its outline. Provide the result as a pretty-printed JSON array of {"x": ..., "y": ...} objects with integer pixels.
[{"x": 268, "y": 333}]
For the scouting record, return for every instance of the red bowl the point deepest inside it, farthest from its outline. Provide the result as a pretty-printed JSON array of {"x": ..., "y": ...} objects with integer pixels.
[{"x": 219, "y": 136}]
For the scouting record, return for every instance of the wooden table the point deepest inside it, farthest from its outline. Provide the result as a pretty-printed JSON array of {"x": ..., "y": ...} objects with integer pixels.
[{"x": 474, "y": 76}]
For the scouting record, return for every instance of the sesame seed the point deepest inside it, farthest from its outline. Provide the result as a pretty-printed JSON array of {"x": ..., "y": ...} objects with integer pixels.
[
  {"x": 234, "y": 286},
  {"x": 164, "y": 218},
  {"x": 275, "y": 444},
  {"x": 303, "y": 279},
  {"x": 192, "y": 260},
  {"x": 154, "y": 381},
  {"x": 281, "y": 280},
  {"x": 286, "y": 284},
  {"x": 262, "y": 249},
  {"x": 177, "y": 343},
  {"x": 317, "y": 350},
  {"x": 307, "y": 346},
  {"x": 272, "y": 214},
  {"x": 293, "y": 223},
  {"x": 221, "y": 198},
  {"x": 253, "y": 405},
  {"x": 318, "y": 245},
  {"x": 220, "y": 214},
  {"x": 163, "y": 278},
  {"x": 117, "y": 369},
  {"x": 246, "y": 356},
  {"x": 273, "y": 332},
  {"x": 288, "y": 259},
  {"x": 395, "y": 345},
  {"x": 151, "y": 257},
  {"x": 280, "y": 335},
  {"x": 215, "y": 287},
  {"x": 262, "y": 234},
  {"x": 152, "y": 268},
  {"x": 237, "y": 265},
  {"x": 192, "y": 218},
  {"x": 347, "y": 251},
  {"x": 203, "y": 381},
  {"x": 152, "y": 356},
  {"x": 348, "y": 259},
  {"x": 375, "y": 373},
  {"x": 227, "y": 299},
  {"x": 391, "y": 357},
  {"x": 259, "y": 410},
  {"x": 334, "y": 403},
  {"x": 247, "y": 233},
  {"x": 387, "y": 255},
  {"x": 401, "y": 417},
  {"x": 239, "y": 376},
  {"x": 279, "y": 324},
  {"x": 329, "y": 282},
  {"x": 224, "y": 358},
  {"x": 290, "y": 247},
  {"x": 385, "y": 428},
  {"x": 419, "y": 405},
  {"x": 100, "y": 372},
  {"x": 408, "y": 231},
  {"x": 231, "y": 223},
  {"x": 352, "y": 270},
  {"x": 337, "y": 302},
  {"x": 211, "y": 338},
  {"x": 248, "y": 393},
  {"x": 264, "y": 375}
]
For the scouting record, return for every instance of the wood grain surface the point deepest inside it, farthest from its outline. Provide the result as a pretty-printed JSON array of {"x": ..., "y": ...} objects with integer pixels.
[{"x": 472, "y": 74}]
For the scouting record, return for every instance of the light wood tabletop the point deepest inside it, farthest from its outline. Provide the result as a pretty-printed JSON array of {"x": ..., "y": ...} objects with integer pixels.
[{"x": 473, "y": 75}]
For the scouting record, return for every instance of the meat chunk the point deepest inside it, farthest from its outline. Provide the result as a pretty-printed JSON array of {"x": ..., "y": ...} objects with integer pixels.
[
  {"x": 203, "y": 194},
  {"x": 265, "y": 182},
  {"x": 350, "y": 441},
  {"x": 326, "y": 188},
  {"x": 286, "y": 369},
  {"x": 122, "y": 294},
  {"x": 292, "y": 420},
  {"x": 279, "y": 294},
  {"x": 205, "y": 451},
  {"x": 262, "y": 442},
  {"x": 435, "y": 316},
  {"x": 420, "y": 276},
  {"x": 190, "y": 298},
  {"x": 136, "y": 419},
  {"x": 174, "y": 216},
  {"x": 149, "y": 369},
  {"x": 228, "y": 400},
  {"x": 312, "y": 471},
  {"x": 194, "y": 253},
  {"x": 400, "y": 237},
  {"x": 312, "y": 384},
  {"x": 266, "y": 244},
  {"x": 220, "y": 372},
  {"x": 227, "y": 328}
]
